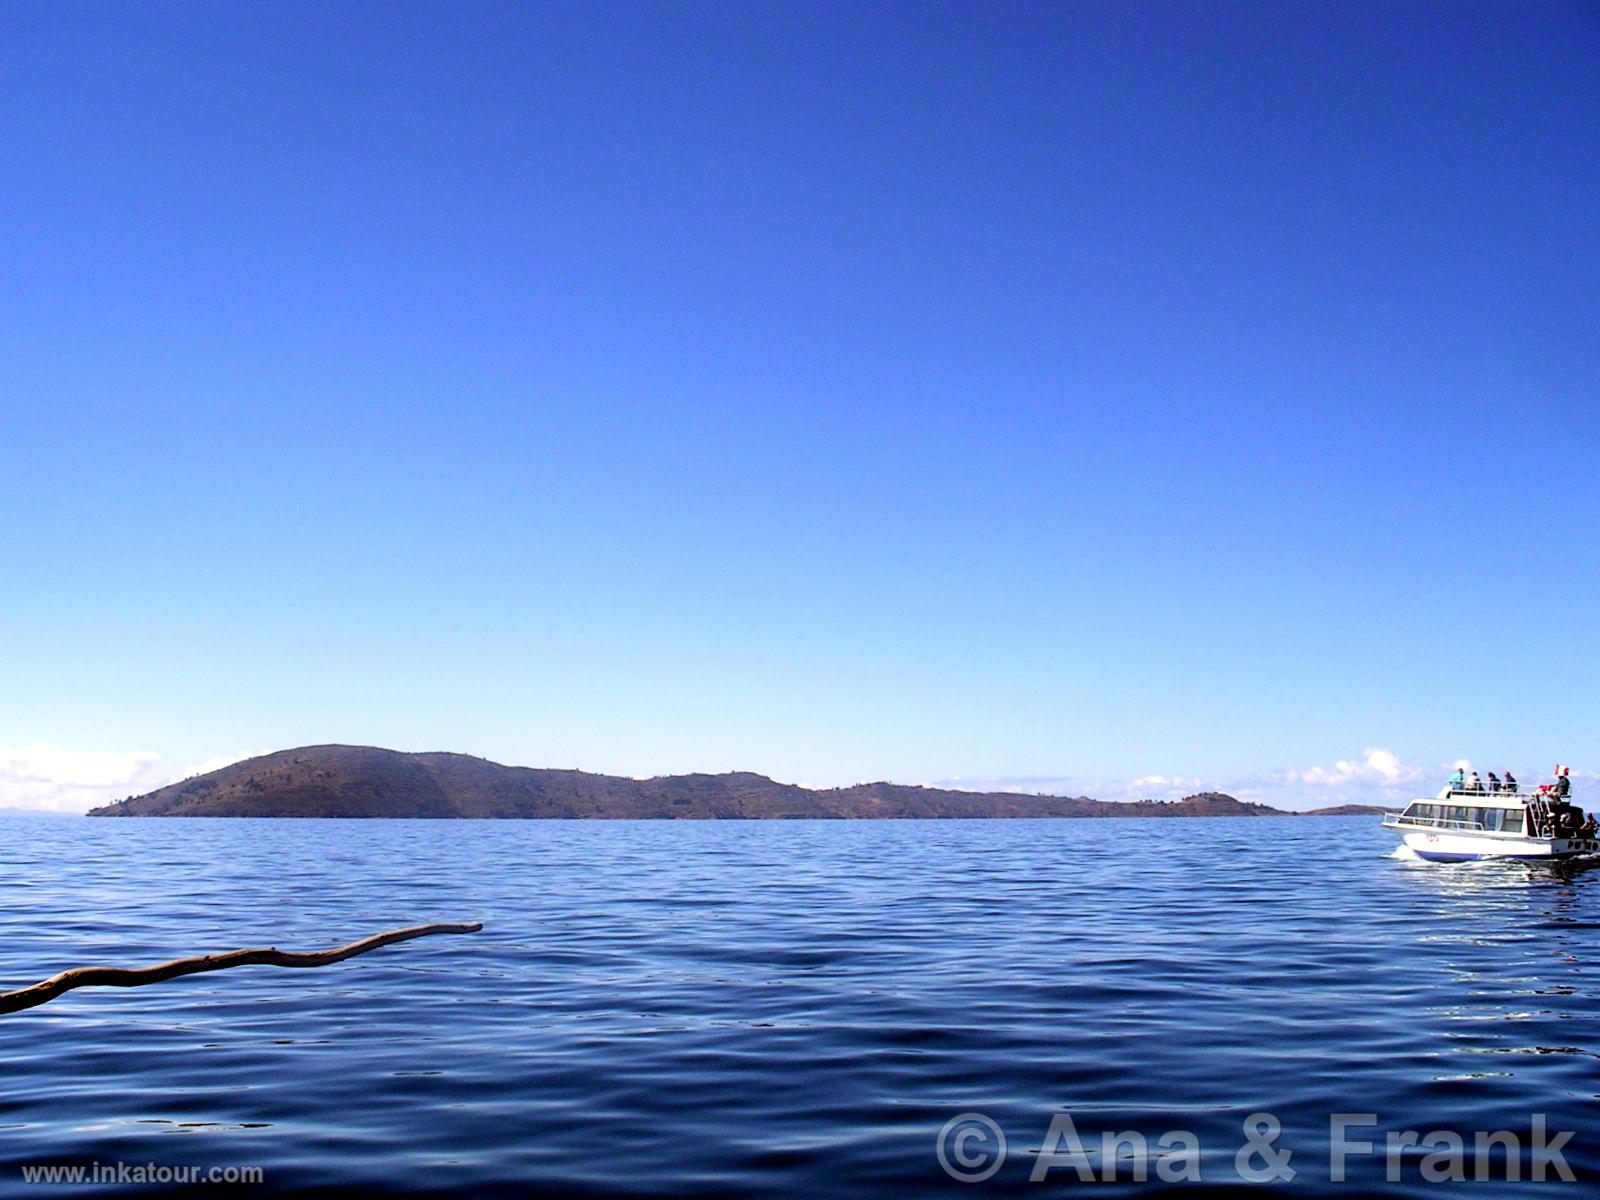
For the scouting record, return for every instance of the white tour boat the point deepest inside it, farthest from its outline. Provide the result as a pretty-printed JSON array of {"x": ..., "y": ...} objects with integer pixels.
[{"x": 1459, "y": 826}]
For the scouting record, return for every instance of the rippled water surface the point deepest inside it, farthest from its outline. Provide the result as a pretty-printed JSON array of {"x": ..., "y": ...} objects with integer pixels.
[{"x": 782, "y": 1008}]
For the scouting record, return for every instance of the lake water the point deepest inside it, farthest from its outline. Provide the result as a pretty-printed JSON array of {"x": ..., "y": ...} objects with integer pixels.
[{"x": 787, "y": 1008}]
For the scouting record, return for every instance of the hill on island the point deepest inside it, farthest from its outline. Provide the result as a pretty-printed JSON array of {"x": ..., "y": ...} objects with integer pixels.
[{"x": 364, "y": 781}]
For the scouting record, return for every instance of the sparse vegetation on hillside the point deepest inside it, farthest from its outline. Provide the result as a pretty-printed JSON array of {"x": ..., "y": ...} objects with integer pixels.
[{"x": 364, "y": 781}]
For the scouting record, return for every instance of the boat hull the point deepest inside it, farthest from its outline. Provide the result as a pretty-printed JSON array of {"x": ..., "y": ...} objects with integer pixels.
[{"x": 1438, "y": 845}]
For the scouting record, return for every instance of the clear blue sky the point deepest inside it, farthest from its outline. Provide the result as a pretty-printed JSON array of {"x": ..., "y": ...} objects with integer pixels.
[{"x": 919, "y": 391}]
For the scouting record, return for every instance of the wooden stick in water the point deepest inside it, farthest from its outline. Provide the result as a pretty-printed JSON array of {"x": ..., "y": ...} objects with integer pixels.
[{"x": 49, "y": 989}]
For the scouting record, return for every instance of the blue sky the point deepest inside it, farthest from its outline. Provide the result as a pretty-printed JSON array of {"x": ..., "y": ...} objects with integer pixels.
[{"x": 1071, "y": 394}]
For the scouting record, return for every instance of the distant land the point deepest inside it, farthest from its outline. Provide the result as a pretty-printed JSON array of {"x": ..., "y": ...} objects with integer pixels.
[{"x": 364, "y": 781}]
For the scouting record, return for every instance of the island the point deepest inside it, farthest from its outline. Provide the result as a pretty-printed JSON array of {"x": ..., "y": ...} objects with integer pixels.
[{"x": 367, "y": 781}]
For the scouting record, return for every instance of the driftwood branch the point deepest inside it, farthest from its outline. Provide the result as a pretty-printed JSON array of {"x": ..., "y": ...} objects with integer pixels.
[{"x": 49, "y": 989}]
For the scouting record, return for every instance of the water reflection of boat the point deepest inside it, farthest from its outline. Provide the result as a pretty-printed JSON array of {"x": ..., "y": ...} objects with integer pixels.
[{"x": 1459, "y": 826}]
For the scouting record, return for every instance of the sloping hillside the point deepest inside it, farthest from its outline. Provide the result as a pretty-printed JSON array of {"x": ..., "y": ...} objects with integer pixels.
[{"x": 364, "y": 781}]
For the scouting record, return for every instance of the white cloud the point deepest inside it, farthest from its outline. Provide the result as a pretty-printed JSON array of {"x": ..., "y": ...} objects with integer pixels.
[
  {"x": 49, "y": 777},
  {"x": 1021, "y": 785},
  {"x": 215, "y": 763},
  {"x": 1154, "y": 787},
  {"x": 74, "y": 781},
  {"x": 1150, "y": 787},
  {"x": 1376, "y": 766}
]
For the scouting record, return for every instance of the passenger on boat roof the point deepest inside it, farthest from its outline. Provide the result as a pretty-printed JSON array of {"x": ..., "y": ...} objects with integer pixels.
[
  {"x": 1474, "y": 784},
  {"x": 1458, "y": 781},
  {"x": 1494, "y": 782},
  {"x": 1509, "y": 783},
  {"x": 1564, "y": 782}
]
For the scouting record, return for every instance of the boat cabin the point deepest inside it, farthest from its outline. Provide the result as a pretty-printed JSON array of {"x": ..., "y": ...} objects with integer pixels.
[{"x": 1471, "y": 810}]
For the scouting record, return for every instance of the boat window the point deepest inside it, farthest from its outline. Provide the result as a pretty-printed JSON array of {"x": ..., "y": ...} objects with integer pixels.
[
  {"x": 1458, "y": 814},
  {"x": 1491, "y": 818},
  {"x": 1511, "y": 820}
]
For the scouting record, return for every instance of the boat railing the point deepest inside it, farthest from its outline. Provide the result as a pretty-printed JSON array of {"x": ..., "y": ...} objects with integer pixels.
[{"x": 1485, "y": 791}]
